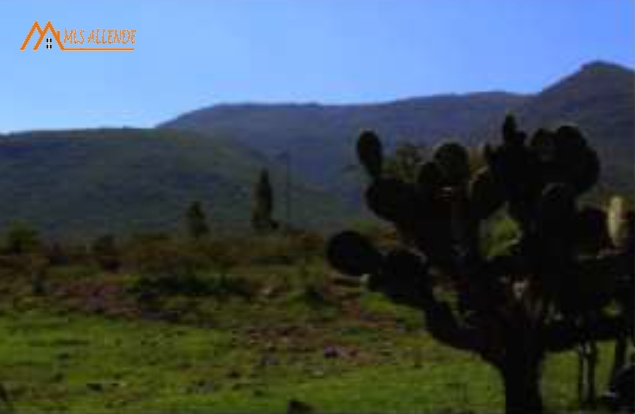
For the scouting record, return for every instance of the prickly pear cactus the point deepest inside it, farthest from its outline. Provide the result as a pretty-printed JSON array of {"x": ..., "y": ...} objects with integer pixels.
[
  {"x": 547, "y": 292},
  {"x": 370, "y": 153},
  {"x": 452, "y": 160}
]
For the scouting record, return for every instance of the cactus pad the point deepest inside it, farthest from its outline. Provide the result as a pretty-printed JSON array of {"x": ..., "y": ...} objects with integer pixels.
[
  {"x": 370, "y": 153},
  {"x": 404, "y": 277},
  {"x": 352, "y": 254},
  {"x": 392, "y": 200},
  {"x": 453, "y": 161},
  {"x": 485, "y": 195}
]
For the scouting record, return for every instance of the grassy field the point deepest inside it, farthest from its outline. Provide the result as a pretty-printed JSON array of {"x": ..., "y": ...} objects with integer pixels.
[{"x": 336, "y": 350}]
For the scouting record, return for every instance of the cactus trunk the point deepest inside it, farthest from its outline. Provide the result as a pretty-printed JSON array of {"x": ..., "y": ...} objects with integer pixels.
[{"x": 521, "y": 379}]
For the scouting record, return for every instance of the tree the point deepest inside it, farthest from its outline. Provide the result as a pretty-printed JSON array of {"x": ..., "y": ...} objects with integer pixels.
[
  {"x": 105, "y": 252},
  {"x": 196, "y": 221},
  {"x": 261, "y": 215},
  {"x": 24, "y": 245},
  {"x": 540, "y": 294},
  {"x": 22, "y": 239}
]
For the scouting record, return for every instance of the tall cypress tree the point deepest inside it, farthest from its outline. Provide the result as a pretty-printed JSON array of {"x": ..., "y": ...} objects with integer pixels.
[
  {"x": 196, "y": 221},
  {"x": 261, "y": 216}
]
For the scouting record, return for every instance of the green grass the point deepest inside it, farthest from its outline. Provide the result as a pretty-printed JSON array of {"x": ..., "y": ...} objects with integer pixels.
[
  {"x": 67, "y": 362},
  {"x": 90, "y": 345}
]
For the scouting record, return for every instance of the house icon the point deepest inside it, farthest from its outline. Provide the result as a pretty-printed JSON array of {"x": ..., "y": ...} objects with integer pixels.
[{"x": 36, "y": 26}]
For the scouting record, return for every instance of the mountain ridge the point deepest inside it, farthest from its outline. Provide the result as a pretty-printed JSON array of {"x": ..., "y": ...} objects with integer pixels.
[
  {"x": 320, "y": 138},
  {"x": 116, "y": 180}
]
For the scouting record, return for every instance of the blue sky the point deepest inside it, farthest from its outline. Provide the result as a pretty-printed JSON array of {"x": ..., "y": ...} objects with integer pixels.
[{"x": 194, "y": 54}]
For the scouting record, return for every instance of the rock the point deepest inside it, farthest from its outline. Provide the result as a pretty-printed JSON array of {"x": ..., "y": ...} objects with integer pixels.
[
  {"x": 318, "y": 373},
  {"x": 267, "y": 360},
  {"x": 269, "y": 292},
  {"x": 95, "y": 386},
  {"x": 202, "y": 386},
  {"x": 332, "y": 352},
  {"x": 299, "y": 407},
  {"x": 62, "y": 356},
  {"x": 233, "y": 374}
]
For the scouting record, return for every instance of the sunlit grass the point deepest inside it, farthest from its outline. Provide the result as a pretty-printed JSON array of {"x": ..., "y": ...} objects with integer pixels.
[{"x": 73, "y": 363}]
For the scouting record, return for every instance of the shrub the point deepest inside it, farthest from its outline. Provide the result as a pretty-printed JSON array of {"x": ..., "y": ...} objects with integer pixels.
[
  {"x": 21, "y": 239},
  {"x": 105, "y": 253}
]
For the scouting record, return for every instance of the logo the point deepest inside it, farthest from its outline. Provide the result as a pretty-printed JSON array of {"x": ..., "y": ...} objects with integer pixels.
[{"x": 110, "y": 40}]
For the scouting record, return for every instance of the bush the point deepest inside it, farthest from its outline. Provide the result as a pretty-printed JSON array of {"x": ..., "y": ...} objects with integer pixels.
[
  {"x": 279, "y": 249},
  {"x": 162, "y": 256},
  {"x": 21, "y": 239},
  {"x": 105, "y": 253},
  {"x": 194, "y": 285},
  {"x": 219, "y": 254},
  {"x": 170, "y": 267}
]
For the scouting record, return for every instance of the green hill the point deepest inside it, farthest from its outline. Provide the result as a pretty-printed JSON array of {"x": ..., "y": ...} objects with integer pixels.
[
  {"x": 321, "y": 138},
  {"x": 87, "y": 182},
  {"x": 599, "y": 97}
]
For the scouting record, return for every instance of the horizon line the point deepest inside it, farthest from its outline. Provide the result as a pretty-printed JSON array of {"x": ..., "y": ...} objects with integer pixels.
[{"x": 322, "y": 103}]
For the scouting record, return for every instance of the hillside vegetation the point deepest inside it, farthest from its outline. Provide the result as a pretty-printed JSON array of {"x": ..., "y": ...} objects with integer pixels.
[
  {"x": 88, "y": 182},
  {"x": 598, "y": 97}
]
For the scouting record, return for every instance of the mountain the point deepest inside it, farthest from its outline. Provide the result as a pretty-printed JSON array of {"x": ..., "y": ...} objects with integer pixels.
[
  {"x": 320, "y": 138},
  {"x": 88, "y": 182},
  {"x": 600, "y": 99}
]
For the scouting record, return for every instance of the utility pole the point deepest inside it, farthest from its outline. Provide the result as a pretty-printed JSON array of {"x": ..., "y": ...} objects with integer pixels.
[{"x": 288, "y": 189}]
